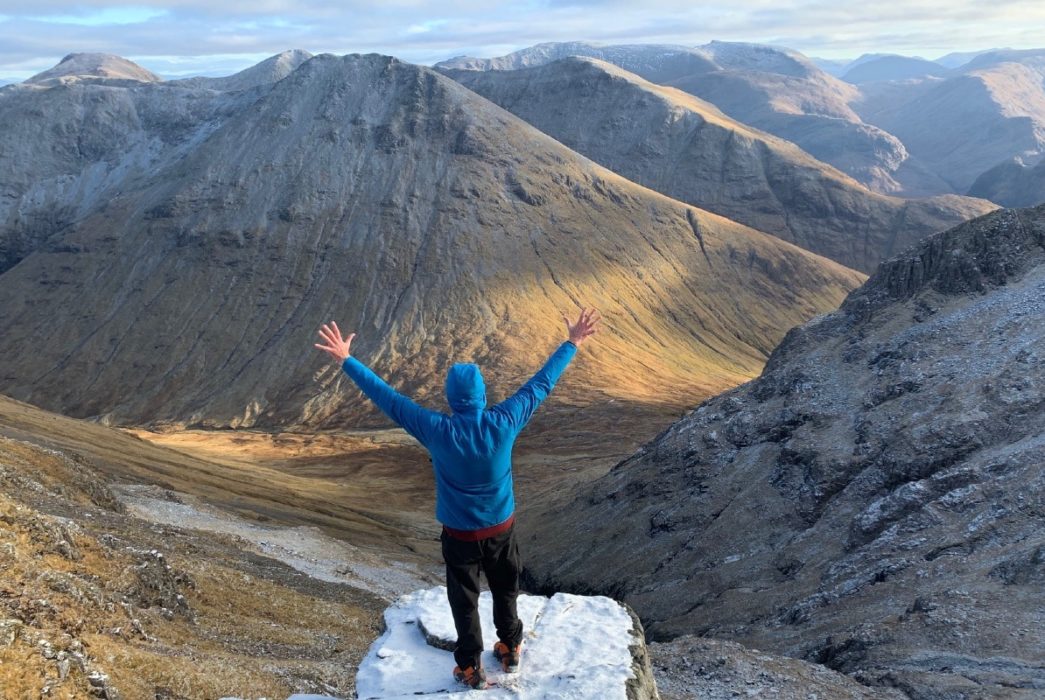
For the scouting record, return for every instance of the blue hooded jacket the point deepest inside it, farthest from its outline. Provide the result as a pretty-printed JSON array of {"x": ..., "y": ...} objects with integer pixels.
[{"x": 472, "y": 447}]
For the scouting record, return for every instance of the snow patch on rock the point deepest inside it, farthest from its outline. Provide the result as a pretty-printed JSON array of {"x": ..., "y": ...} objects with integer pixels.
[{"x": 573, "y": 647}]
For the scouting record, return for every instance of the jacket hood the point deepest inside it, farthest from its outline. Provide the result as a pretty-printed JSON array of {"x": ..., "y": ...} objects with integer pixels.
[{"x": 465, "y": 388}]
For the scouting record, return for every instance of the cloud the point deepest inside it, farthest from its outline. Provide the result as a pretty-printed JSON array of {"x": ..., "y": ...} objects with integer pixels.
[
  {"x": 104, "y": 17},
  {"x": 209, "y": 37}
]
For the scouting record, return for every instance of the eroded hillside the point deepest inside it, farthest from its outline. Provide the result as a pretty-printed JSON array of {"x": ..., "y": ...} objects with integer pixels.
[{"x": 95, "y": 602}]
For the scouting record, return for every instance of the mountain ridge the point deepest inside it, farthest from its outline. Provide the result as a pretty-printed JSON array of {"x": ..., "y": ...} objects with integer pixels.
[
  {"x": 688, "y": 149},
  {"x": 438, "y": 210}
]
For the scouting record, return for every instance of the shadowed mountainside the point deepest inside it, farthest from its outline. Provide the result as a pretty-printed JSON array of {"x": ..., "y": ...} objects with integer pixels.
[
  {"x": 687, "y": 149},
  {"x": 1012, "y": 184},
  {"x": 872, "y": 502},
  {"x": 69, "y": 148},
  {"x": 891, "y": 67},
  {"x": 960, "y": 126},
  {"x": 433, "y": 223}
]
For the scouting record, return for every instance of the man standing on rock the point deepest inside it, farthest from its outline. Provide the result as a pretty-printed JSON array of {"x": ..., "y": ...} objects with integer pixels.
[{"x": 471, "y": 452}]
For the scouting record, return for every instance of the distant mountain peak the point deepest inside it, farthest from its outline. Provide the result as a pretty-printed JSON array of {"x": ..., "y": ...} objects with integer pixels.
[
  {"x": 96, "y": 65},
  {"x": 741, "y": 55},
  {"x": 271, "y": 70}
]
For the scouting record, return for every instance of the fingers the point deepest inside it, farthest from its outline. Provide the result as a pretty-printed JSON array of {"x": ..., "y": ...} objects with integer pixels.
[
  {"x": 328, "y": 335},
  {"x": 328, "y": 350},
  {"x": 332, "y": 334}
]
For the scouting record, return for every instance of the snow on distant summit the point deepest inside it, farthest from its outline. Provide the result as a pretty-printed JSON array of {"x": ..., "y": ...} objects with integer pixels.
[
  {"x": 271, "y": 70},
  {"x": 738, "y": 55},
  {"x": 96, "y": 65}
]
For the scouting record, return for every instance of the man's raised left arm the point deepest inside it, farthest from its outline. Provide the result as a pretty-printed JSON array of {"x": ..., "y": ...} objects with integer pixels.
[{"x": 406, "y": 413}]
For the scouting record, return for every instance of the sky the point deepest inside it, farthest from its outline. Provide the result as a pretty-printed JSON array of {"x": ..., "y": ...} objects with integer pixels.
[{"x": 178, "y": 38}]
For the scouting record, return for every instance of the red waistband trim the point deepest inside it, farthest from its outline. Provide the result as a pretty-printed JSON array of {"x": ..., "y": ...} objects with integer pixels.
[{"x": 482, "y": 534}]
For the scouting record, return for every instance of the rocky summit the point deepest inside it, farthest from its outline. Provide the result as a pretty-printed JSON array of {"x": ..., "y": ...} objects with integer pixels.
[
  {"x": 179, "y": 251},
  {"x": 872, "y": 502}
]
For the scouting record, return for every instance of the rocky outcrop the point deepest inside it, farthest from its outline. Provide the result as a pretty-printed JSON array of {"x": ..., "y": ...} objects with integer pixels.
[
  {"x": 687, "y": 149},
  {"x": 414, "y": 654},
  {"x": 433, "y": 223},
  {"x": 872, "y": 502},
  {"x": 695, "y": 668}
]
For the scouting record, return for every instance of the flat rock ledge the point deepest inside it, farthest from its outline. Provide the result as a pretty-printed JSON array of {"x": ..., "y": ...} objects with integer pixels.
[{"x": 573, "y": 647}]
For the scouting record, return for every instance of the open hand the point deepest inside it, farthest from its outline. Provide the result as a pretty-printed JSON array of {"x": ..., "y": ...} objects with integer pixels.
[
  {"x": 584, "y": 327},
  {"x": 335, "y": 346}
]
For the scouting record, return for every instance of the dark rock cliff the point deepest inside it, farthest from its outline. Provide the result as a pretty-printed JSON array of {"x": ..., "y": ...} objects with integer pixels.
[{"x": 873, "y": 501}]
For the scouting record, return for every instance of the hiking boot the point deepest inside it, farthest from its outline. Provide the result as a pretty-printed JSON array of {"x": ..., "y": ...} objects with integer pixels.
[
  {"x": 508, "y": 656},
  {"x": 473, "y": 677}
]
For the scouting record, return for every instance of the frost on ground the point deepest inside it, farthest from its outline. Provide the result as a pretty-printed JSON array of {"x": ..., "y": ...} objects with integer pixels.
[
  {"x": 573, "y": 647},
  {"x": 306, "y": 549}
]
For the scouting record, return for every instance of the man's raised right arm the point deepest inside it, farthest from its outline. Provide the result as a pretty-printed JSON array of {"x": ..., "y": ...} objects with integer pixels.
[{"x": 521, "y": 406}]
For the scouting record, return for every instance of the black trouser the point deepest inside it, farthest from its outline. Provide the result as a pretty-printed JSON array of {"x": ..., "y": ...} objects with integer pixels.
[{"x": 498, "y": 558}]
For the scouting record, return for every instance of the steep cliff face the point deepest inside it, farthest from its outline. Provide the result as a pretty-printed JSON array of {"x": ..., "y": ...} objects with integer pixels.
[
  {"x": 70, "y": 146},
  {"x": 687, "y": 149},
  {"x": 873, "y": 501},
  {"x": 433, "y": 223}
]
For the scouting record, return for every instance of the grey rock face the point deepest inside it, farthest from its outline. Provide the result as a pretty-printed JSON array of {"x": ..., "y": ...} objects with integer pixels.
[
  {"x": 694, "y": 668},
  {"x": 872, "y": 502},
  {"x": 689, "y": 150},
  {"x": 187, "y": 286},
  {"x": 70, "y": 148}
]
